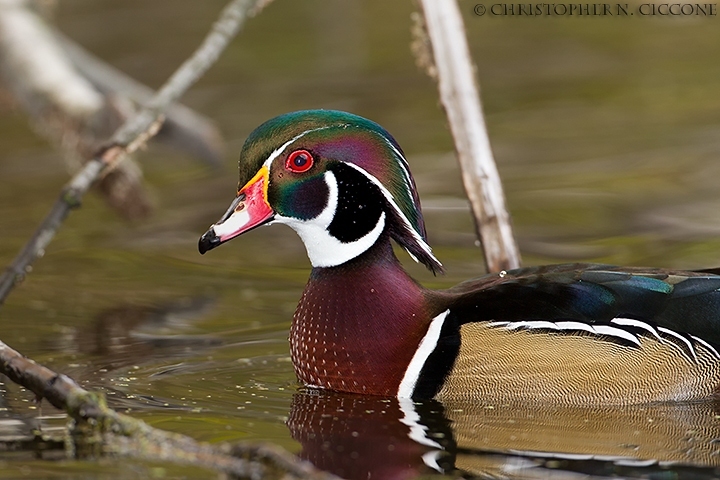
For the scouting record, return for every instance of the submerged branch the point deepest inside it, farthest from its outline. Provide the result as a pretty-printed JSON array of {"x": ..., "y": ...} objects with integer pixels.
[
  {"x": 446, "y": 57},
  {"x": 130, "y": 136},
  {"x": 99, "y": 429}
]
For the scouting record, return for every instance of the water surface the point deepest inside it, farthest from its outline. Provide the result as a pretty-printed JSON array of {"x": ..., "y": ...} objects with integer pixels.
[{"x": 605, "y": 131}]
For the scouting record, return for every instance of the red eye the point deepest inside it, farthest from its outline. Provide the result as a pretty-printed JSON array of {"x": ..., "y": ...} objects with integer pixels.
[{"x": 299, "y": 161}]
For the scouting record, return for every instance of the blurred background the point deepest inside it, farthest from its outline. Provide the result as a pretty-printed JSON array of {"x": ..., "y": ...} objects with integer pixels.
[{"x": 606, "y": 133}]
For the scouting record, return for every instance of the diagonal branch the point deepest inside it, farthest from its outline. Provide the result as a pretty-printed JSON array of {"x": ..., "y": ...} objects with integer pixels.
[
  {"x": 130, "y": 136},
  {"x": 63, "y": 106},
  {"x": 184, "y": 129}
]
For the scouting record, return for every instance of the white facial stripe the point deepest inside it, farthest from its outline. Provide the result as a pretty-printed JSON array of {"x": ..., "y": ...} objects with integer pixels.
[
  {"x": 282, "y": 147},
  {"x": 426, "y": 347},
  {"x": 399, "y": 212},
  {"x": 323, "y": 249},
  {"x": 310, "y": 233},
  {"x": 403, "y": 163}
]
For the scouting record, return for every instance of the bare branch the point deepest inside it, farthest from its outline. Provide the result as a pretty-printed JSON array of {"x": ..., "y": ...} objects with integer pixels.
[
  {"x": 459, "y": 94},
  {"x": 62, "y": 105},
  {"x": 183, "y": 129},
  {"x": 129, "y": 136}
]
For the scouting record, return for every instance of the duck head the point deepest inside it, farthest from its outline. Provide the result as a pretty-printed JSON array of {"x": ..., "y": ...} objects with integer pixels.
[{"x": 339, "y": 180}]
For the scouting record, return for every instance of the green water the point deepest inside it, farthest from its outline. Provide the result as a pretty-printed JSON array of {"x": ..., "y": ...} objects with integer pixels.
[{"x": 605, "y": 131}]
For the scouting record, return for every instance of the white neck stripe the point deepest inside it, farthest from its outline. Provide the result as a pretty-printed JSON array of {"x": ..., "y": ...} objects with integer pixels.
[{"x": 323, "y": 249}]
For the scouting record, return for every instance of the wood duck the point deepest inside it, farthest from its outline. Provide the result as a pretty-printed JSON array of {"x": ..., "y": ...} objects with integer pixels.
[{"x": 576, "y": 334}]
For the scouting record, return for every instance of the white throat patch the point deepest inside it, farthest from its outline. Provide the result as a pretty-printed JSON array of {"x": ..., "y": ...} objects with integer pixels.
[{"x": 323, "y": 249}]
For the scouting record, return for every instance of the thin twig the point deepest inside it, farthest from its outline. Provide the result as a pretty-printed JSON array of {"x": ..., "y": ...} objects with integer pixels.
[
  {"x": 454, "y": 72},
  {"x": 131, "y": 135},
  {"x": 183, "y": 129},
  {"x": 119, "y": 434}
]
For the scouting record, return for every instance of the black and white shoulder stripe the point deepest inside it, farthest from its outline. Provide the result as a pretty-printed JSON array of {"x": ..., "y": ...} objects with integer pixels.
[
  {"x": 624, "y": 331},
  {"x": 428, "y": 345}
]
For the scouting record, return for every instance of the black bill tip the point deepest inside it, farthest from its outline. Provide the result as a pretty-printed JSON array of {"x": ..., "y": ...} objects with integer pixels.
[{"x": 208, "y": 241}]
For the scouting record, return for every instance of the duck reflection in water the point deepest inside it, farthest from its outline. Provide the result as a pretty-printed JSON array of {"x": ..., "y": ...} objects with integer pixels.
[{"x": 362, "y": 437}]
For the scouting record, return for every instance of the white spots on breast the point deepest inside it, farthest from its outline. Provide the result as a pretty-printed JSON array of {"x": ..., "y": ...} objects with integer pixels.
[
  {"x": 314, "y": 344},
  {"x": 356, "y": 336}
]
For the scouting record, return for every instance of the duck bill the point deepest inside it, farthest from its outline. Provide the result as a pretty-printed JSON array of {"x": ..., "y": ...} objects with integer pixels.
[{"x": 250, "y": 209}]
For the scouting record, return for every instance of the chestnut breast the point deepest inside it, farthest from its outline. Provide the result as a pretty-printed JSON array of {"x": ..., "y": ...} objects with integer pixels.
[{"x": 357, "y": 327}]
